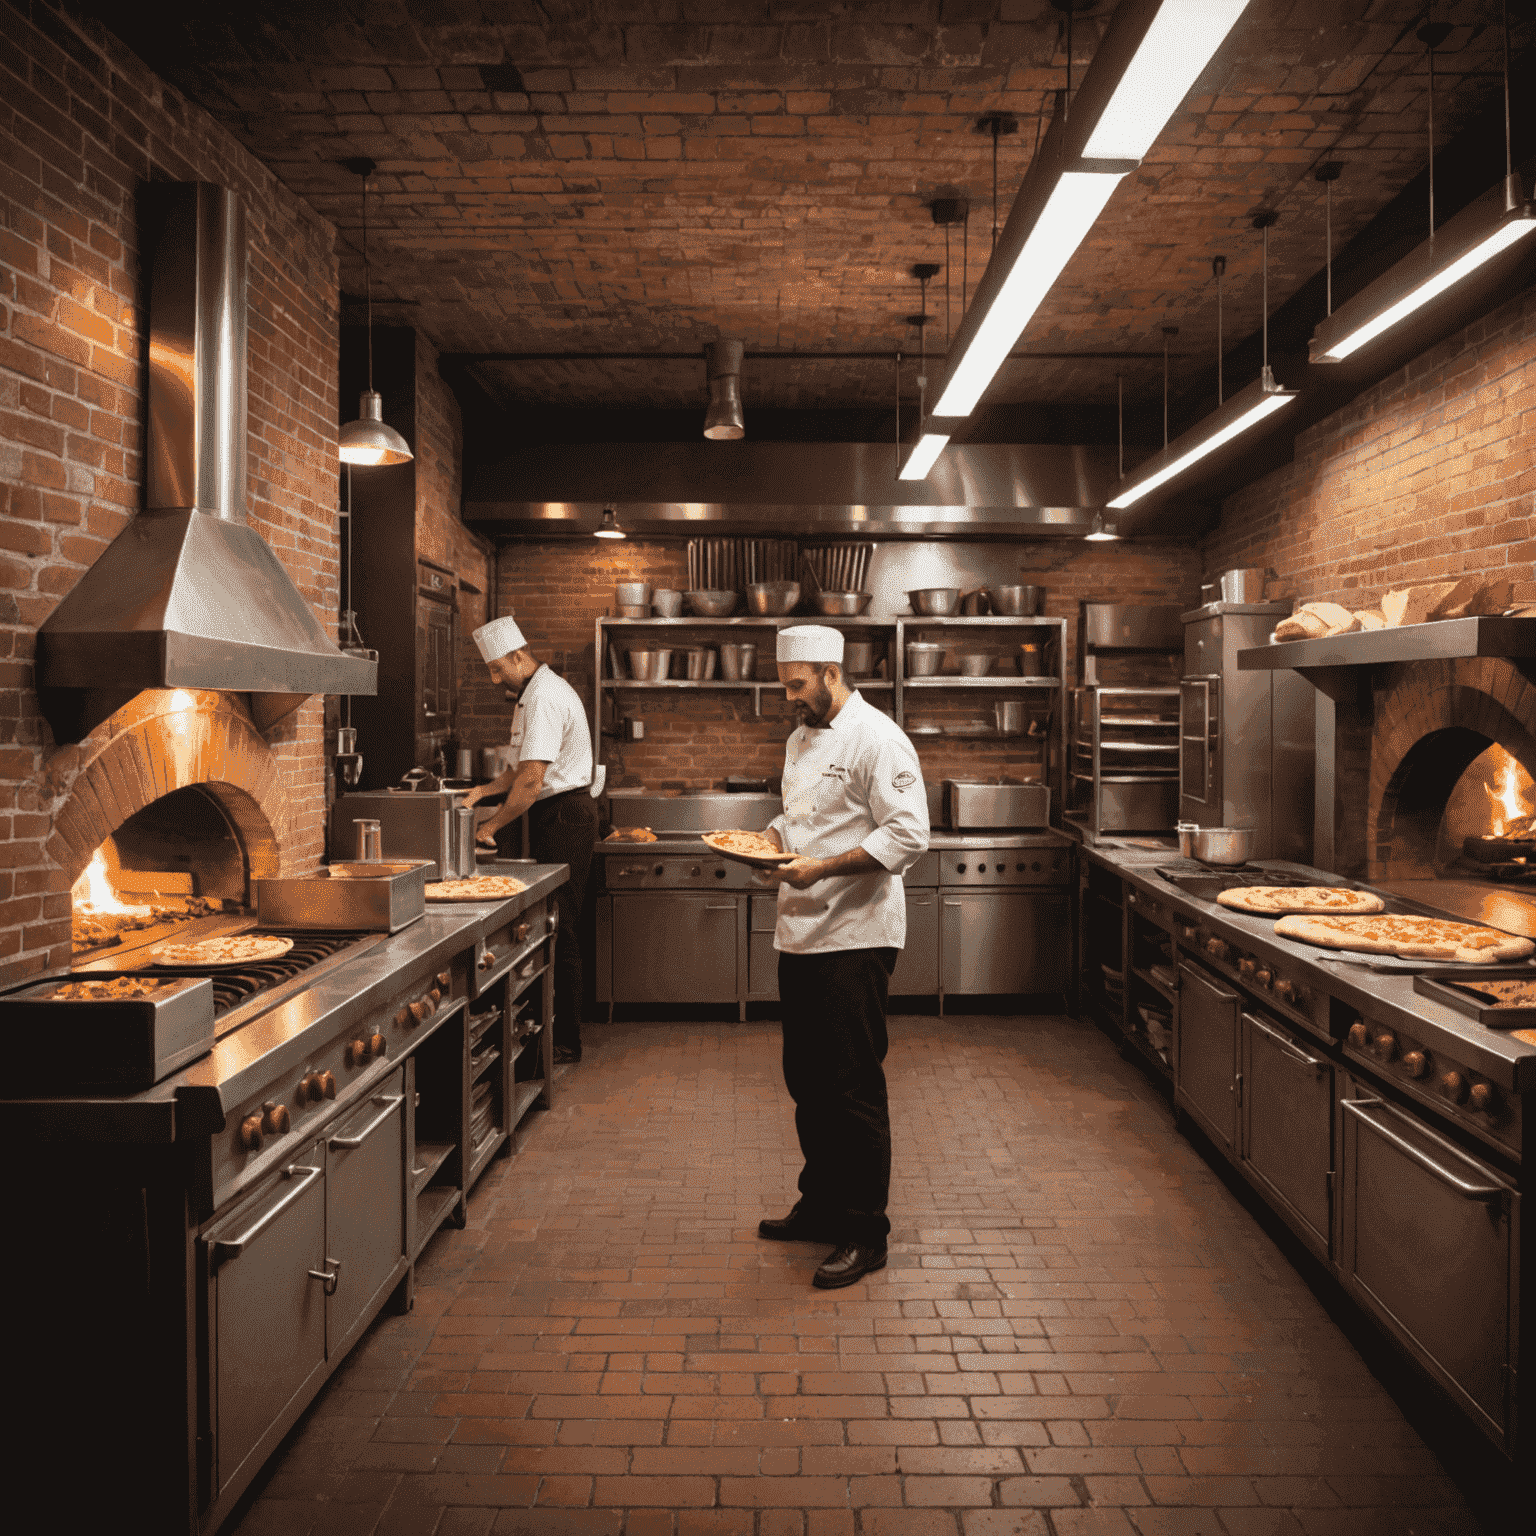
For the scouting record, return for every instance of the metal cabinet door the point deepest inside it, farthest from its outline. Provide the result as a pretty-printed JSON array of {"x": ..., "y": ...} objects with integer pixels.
[
  {"x": 1429, "y": 1242},
  {"x": 1200, "y": 749},
  {"x": 917, "y": 966},
  {"x": 674, "y": 947},
  {"x": 762, "y": 968},
  {"x": 364, "y": 1206},
  {"x": 266, "y": 1310},
  {"x": 1205, "y": 1054},
  {"x": 1005, "y": 941},
  {"x": 1287, "y": 1124}
]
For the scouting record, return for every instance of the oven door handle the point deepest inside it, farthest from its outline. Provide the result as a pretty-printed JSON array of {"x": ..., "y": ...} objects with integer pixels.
[
  {"x": 1485, "y": 1192},
  {"x": 233, "y": 1247},
  {"x": 1290, "y": 1048},
  {"x": 389, "y": 1104}
]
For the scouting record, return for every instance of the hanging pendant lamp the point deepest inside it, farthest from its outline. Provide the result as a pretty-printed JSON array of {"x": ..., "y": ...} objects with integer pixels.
[{"x": 368, "y": 440}]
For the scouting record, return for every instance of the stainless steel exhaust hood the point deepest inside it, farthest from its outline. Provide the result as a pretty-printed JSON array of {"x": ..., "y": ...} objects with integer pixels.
[
  {"x": 809, "y": 489},
  {"x": 188, "y": 595}
]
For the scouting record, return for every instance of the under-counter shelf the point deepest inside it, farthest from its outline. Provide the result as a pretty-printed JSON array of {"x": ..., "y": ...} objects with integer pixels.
[
  {"x": 872, "y": 684},
  {"x": 433, "y": 1205},
  {"x": 524, "y": 1097},
  {"x": 430, "y": 1156},
  {"x": 1153, "y": 982},
  {"x": 751, "y": 621},
  {"x": 483, "y": 1151},
  {"x": 954, "y": 680},
  {"x": 479, "y": 1064}
]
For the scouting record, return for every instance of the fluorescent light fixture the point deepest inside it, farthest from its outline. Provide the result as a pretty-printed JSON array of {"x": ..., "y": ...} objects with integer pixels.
[
  {"x": 1245, "y": 410},
  {"x": 1150, "y": 55},
  {"x": 1181, "y": 41},
  {"x": 1474, "y": 237},
  {"x": 929, "y": 446},
  {"x": 1075, "y": 202},
  {"x": 1102, "y": 531}
]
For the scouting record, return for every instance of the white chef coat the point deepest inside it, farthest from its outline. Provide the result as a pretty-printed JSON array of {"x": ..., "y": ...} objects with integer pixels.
[
  {"x": 855, "y": 783},
  {"x": 549, "y": 725}
]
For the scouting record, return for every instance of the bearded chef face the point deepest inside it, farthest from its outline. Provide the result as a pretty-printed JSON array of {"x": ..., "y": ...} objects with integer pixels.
[{"x": 808, "y": 687}]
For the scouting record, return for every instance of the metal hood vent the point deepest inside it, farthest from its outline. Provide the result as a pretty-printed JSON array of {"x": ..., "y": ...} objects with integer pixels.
[
  {"x": 807, "y": 489},
  {"x": 188, "y": 595}
]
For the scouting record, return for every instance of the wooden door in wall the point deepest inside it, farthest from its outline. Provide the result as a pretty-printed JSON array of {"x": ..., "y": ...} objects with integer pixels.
[{"x": 436, "y": 682}]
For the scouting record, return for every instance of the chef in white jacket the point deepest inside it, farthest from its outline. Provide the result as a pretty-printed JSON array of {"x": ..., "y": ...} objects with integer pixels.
[{"x": 856, "y": 817}]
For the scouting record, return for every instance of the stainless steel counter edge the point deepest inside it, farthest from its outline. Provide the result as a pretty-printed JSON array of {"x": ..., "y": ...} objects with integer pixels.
[
  {"x": 1387, "y": 999},
  {"x": 277, "y": 1041}
]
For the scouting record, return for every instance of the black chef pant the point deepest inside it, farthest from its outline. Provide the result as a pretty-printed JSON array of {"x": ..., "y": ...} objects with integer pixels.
[
  {"x": 563, "y": 830},
  {"x": 833, "y": 1008}
]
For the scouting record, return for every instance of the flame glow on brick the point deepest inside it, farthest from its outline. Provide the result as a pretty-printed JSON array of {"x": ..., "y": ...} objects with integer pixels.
[
  {"x": 1510, "y": 801},
  {"x": 93, "y": 891}
]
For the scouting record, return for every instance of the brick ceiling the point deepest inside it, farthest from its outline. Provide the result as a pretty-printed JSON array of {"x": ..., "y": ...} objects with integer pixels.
[{"x": 644, "y": 175}]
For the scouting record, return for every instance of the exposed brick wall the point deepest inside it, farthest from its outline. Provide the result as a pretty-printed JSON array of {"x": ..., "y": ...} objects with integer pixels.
[
  {"x": 83, "y": 124},
  {"x": 1426, "y": 477},
  {"x": 557, "y": 590}
]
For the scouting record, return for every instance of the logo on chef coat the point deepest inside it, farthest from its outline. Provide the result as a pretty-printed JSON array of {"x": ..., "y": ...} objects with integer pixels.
[{"x": 903, "y": 778}]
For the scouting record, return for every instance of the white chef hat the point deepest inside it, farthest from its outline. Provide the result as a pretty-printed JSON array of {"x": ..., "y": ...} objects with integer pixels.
[
  {"x": 499, "y": 638},
  {"x": 818, "y": 643}
]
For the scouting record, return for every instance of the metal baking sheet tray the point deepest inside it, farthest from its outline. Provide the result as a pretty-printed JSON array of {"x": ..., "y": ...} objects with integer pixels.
[
  {"x": 1458, "y": 989},
  {"x": 55, "y": 1044},
  {"x": 384, "y": 894}
]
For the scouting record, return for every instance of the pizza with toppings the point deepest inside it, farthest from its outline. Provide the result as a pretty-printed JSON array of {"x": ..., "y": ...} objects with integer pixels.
[
  {"x": 476, "y": 888},
  {"x": 1505, "y": 994},
  {"x": 1416, "y": 938},
  {"x": 755, "y": 848},
  {"x": 631, "y": 835},
  {"x": 229, "y": 949},
  {"x": 1273, "y": 900},
  {"x": 109, "y": 990}
]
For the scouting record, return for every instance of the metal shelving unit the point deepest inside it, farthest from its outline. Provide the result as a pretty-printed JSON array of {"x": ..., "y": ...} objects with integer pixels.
[{"x": 899, "y": 628}]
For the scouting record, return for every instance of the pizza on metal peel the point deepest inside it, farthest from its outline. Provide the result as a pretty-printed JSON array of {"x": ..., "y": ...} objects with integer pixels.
[
  {"x": 1274, "y": 900},
  {"x": 1417, "y": 938}
]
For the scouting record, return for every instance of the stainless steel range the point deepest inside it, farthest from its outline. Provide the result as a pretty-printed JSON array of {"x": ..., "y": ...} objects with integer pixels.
[{"x": 1385, "y": 1126}]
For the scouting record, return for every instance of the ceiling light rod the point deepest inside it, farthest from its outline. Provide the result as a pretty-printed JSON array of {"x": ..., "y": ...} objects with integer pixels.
[
  {"x": 930, "y": 442},
  {"x": 1150, "y": 56},
  {"x": 1328, "y": 173},
  {"x": 1480, "y": 232},
  {"x": 1264, "y": 222},
  {"x": 1432, "y": 34},
  {"x": 997, "y": 124},
  {"x": 1169, "y": 332},
  {"x": 1218, "y": 270},
  {"x": 368, "y": 440}
]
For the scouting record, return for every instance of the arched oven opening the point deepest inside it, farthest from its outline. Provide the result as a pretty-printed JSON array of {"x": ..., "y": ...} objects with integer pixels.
[
  {"x": 1488, "y": 831},
  {"x": 178, "y": 859}
]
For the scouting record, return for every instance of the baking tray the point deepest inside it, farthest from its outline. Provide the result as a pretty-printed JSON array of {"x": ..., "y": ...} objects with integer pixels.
[
  {"x": 56, "y": 1044},
  {"x": 382, "y": 895},
  {"x": 1458, "y": 989}
]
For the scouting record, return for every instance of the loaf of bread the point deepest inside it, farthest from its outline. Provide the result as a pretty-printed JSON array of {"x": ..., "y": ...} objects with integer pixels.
[
  {"x": 1415, "y": 605},
  {"x": 1371, "y": 618},
  {"x": 1302, "y": 625}
]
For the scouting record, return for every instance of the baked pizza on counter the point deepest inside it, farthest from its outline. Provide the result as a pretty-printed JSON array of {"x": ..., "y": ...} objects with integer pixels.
[
  {"x": 1417, "y": 938},
  {"x": 230, "y": 949},
  {"x": 1273, "y": 900},
  {"x": 477, "y": 888}
]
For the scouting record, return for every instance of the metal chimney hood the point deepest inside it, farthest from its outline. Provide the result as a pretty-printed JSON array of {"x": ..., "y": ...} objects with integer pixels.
[
  {"x": 975, "y": 491},
  {"x": 188, "y": 595}
]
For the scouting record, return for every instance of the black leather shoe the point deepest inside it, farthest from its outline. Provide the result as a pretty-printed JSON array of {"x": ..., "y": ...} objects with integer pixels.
[
  {"x": 797, "y": 1227},
  {"x": 849, "y": 1263}
]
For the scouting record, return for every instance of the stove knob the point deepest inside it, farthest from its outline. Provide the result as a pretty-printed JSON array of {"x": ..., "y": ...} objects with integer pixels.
[
  {"x": 250, "y": 1133},
  {"x": 310, "y": 1088},
  {"x": 1036, "y": 866},
  {"x": 981, "y": 869},
  {"x": 328, "y": 1084},
  {"x": 402, "y": 1018},
  {"x": 1246, "y": 967},
  {"x": 445, "y": 979},
  {"x": 274, "y": 1119},
  {"x": 1483, "y": 1098},
  {"x": 658, "y": 870},
  {"x": 720, "y": 872},
  {"x": 1218, "y": 949},
  {"x": 1287, "y": 992},
  {"x": 377, "y": 1045},
  {"x": 1264, "y": 976},
  {"x": 1359, "y": 1035},
  {"x": 1415, "y": 1063},
  {"x": 1454, "y": 1086},
  {"x": 959, "y": 869},
  {"x": 436, "y": 997},
  {"x": 521, "y": 931},
  {"x": 1385, "y": 1046},
  {"x": 419, "y": 1010},
  {"x": 357, "y": 1053}
]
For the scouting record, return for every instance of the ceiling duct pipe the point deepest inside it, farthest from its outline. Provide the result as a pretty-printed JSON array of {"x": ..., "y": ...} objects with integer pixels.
[
  {"x": 188, "y": 595},
  {"x": 725, "y": 420}
]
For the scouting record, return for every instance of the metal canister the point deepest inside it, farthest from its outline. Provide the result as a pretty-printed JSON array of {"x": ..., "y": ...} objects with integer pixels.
[
  {"x": 464, "y": 840},
  {"x": 370, "y": 842},
  {"x": 464, "y": 763}
]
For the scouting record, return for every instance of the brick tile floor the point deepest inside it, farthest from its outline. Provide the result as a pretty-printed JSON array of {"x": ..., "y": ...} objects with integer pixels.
[{"x": 1081, "y": 1331}]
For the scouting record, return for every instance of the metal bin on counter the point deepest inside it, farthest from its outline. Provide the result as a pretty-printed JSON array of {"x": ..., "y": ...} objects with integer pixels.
[{"x": 1125, "y": 758}]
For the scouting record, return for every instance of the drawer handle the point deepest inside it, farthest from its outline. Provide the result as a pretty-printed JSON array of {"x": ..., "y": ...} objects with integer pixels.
[
  {"x": 328, "y": 1278},
  {"x": 731, "y": 907},
  {"x": 233, "y": 1247},
  {"x": 373, "y": 1125},
  {"x": 1290, "y": 1049},
  {"x": 1486, "y": 1192}
]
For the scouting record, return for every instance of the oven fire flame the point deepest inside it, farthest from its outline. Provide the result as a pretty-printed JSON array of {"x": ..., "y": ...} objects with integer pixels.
[
  {"x": 93, "y": 891},
  {"x": 1509, "y": 803}
]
